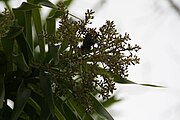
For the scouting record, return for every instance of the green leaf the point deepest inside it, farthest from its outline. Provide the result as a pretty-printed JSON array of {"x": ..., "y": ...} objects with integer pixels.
[
  {"x": 67, "y": 112},
  {"x": 28, "y": 29},
  {"x": 19, "y": 17},
  {"x": 45, "y": 112},
  {"x": 38, "y": 26},
  {"x": 2, "y": 90},
  {"x": 64, "y": 45},
  {"x": 100, "y": 109},
  {"x": 151, "y": 85},
  {"x": 119, "y": 79},
  {"x": 53, "y": 54},
  {"x": 110, "y": 101},
  {"x": 48, "y": 4},
  {"x": 24, "y": 47},
  {"x": 7, "y": 45},
  {"x": 58, "y": 114},
  {"x": 13, "y": 32},
  {"x": 57, "y": 14},
  {"x": 47, "y": 90},
  {"x": 80, "y": 110},
  {"x": 22, "y": 97},
  {"x": 20, "y": 62},
  {"x": 116, "y": 78},
  {"x": 27, "y": 6},
  {"x": 34, "y": 105},
  {"x": 51, "y": 26},
  {"x": 67, "y": 2}
]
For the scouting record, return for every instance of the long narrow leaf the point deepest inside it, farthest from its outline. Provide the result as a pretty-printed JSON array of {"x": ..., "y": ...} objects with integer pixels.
[
  {"x": 20, "y": 62},
  {"x": 23, "y": 95},
  {"x": 27, "y": 6},
  {"x": 28, "y": 33},
  {"x": 80, "y": 110},
  {"x": 38, "y": 26},
  {"x": 67, "y": 112},
  {"x": 58, "y": 114},
  {"x": 24, "y": 47},
  {"x": 34, "y": 105},
  {"x": 100, "y": 109},
  {"x": 48, "y": 4},
  {"x": 46, "y": 87},
  {"x": 110, "y": 101},
  {"x": 51, "y": 26},
  {"x": 2, "y": 90}
]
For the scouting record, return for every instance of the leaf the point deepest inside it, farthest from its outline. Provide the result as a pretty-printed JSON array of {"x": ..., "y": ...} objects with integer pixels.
[
  {"x": 66, "y": 110},
  {"x": 67, "y": 2},
  {"x": 34, "y": 105},
  {"x": 13, "y": 32},
  {"x": 48, "y": 4},
  {"x": 22, "y": 97},
  {"x": 27, "y": 6},
  {"x": 24, "y": 47},
  {"x": 100, "y": 109},
  {"x": 80, "y": 110},
  {"x": 3, "y": 63},
  {"x": 38, "y": 27},
  {"x": 20, "y": 62},
  {"x": 28, "y": 29},
  {"x": 45, "y": 112},
  {"x": 51, "y": 26},
  {"x": 151, "y": 85},
  {"x": 53, "y": 54},
  {"x": 58, "y": 114},
  {"x": 64, "y": 45},
  {"x": 57, "y": 14},
  {"x": 2, "y": 90},
  {"x": 119, "y": 79},
  {"x": 47, "y": 90},
  {"x": 110, "y": 101}
]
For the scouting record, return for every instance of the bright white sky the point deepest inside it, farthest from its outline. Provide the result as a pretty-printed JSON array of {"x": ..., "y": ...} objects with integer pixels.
[{"x": 155, "y": 27}]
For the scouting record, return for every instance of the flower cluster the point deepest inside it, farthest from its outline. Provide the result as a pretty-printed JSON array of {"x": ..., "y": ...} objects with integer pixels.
[{"x": 90, "y": 58}]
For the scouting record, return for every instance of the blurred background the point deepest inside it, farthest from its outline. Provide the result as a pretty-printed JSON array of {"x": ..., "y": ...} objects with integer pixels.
[{"x": 155, "y": 26}]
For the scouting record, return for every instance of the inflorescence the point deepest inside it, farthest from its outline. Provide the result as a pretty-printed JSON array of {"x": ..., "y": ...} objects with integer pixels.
[{"x": 90, "y": 56}]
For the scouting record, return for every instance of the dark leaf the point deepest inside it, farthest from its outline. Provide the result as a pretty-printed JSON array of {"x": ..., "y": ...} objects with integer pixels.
[
  {"x": 27, "y": 6},
  {"x": 53, "y": 53},
  {"x": 51, "y": 26},
  {"x": 24, "y": 47},
  {"x": 3, "y": 62},
  {"x": 58, "y": 114},
  {"x": 45, "y": 112},
  {"x": 13, "y": 32},
  {"x": 22, "y": 97},
  {"x": 63, "y": 47},
  {"x": 66, "y": 110},
  {"x": 150, "y": 85},
  {"x": 34, "y": 105},
  {"x": 20, "y": 62},
  {"x": 2, "y": 90},
  {"x": 100, "y": 109},
  {"x": 80, "y": 110},
  {"x": 47, "y": 90},
  {"x": 57, "y": 14},
  {"x": 48, "y": 4}
]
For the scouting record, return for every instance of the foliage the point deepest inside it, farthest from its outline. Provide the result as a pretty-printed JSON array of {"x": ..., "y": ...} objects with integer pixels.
[{"x": 80, "y": 63}]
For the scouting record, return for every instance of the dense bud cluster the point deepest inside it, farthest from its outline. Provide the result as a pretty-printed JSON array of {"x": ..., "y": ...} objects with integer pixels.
[{"x": 91, "y": 59}]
